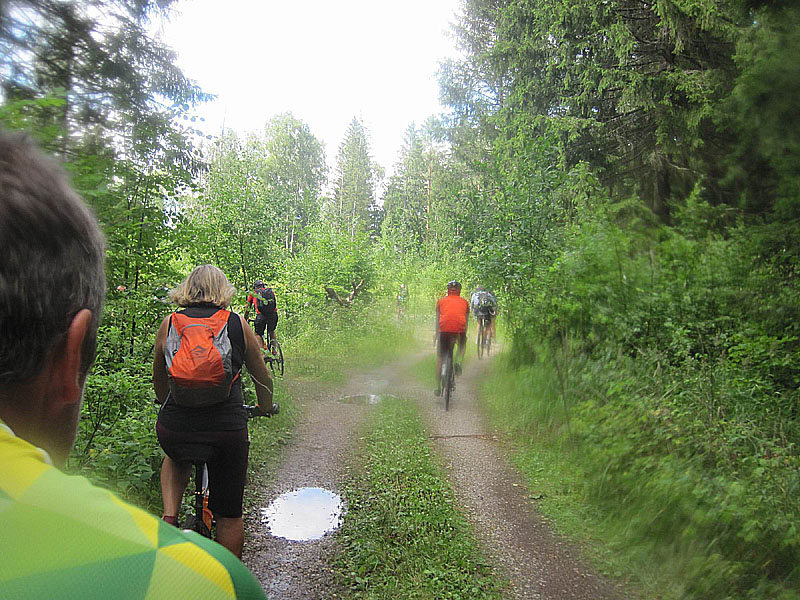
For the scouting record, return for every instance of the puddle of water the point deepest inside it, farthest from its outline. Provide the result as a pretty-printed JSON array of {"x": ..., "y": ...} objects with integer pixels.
[
  {"x": 304, "y": 514},
  {"x": 363, "y": 399}
]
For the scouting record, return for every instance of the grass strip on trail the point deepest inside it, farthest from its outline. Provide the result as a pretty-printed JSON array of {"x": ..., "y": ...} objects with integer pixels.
[
  {"x": 403, "y": 536},
  {"x": 268, "y": 436}
]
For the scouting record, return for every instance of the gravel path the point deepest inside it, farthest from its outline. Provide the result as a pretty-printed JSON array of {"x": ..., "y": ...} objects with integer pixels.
[
  {"x": 316, "y": 457},
  {"x": 491, "y": 493},
  {"x": 495, "y": 500}
]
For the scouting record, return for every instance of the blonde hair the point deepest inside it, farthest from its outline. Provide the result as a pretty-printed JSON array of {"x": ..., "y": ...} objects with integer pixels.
[{"x": 206, "y": 284}]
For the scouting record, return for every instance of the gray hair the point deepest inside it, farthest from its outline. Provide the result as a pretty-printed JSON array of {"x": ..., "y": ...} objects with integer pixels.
[{"x": 51, "y": 260}]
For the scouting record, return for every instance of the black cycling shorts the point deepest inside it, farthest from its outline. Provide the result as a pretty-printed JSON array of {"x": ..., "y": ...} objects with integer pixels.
[
  {"x": 447, "y": 341},
  {"x": 268, "y": 321},
  {"x": 224, "y": 452}
]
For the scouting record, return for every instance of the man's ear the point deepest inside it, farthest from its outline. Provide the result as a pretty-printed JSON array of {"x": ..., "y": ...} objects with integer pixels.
[{"x": 66, "y": 379}]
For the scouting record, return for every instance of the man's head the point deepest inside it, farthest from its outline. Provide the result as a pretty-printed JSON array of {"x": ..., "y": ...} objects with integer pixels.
[
  {"x": 453, "y": 287},
  {"x": 259, "y": 285},
  {"x": 52, "y": 285},
  {"x": 480, "y": 288}
]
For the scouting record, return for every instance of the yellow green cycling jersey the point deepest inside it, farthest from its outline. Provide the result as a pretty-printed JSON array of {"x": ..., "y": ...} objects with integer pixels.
[{"x": 62, "y": 537}]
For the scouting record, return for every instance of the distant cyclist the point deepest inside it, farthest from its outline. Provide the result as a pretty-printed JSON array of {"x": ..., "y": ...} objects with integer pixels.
[
  {"x": 402, "y": 300},
  {"x": 484, "y": 306},
  {"x": 264, "y": 302},
  {"x": 452, "y": 314}
]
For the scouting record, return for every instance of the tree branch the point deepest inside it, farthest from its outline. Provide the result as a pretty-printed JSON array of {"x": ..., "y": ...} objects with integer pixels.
[{"x": 333, "y": 295}]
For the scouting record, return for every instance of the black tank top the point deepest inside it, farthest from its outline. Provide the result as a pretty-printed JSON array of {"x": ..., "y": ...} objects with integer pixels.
[{"x": 226, "y": 416}]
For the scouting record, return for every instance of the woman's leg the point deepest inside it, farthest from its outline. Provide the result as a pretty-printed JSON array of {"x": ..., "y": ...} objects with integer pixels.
[
  {"x": 227, "y": 474},
  {"x": 272, "y": 324},
  {"x": 260, "y": 325},
  {"x": 230, "y": 533},
  {"x": 174, "y": 479}
]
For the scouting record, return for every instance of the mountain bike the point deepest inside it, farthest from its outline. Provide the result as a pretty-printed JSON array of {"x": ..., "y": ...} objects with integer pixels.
[
  {"x": 484, "y": 340},
  {"x": 447, "y": 380},
  {"x": 202, "y": 521},
  {"x": 275, "y": 361}
]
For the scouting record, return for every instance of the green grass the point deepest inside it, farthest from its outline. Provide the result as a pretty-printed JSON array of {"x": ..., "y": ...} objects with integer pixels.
[
  {"x": 344, "y": 340},
  {"x": 526, "y": 405},
  {"x": 403, "y": 536},
  {"x": 268, "y": 437}
]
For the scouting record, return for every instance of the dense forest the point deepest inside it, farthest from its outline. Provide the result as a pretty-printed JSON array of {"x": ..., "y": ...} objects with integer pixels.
[{"x": 625, "y": 174}]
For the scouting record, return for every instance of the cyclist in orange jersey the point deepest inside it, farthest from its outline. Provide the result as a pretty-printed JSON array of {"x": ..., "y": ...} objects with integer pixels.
[{"x": 452, "y": 314}]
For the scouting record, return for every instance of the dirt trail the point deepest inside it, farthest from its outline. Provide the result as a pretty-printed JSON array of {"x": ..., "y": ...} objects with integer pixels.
[
  {"x": 316, "y": 457},
  {"x": 512, "y": 534},
  {"x": 493, "y": 496}
]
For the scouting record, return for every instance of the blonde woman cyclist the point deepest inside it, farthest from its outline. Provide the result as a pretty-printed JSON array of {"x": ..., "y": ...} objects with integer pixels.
[{"x": 207, "y": 422}]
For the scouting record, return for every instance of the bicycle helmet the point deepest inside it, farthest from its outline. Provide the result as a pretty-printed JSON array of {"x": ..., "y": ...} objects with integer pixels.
[
  {"x": 452, "y": 285},
  {"x": 258, "y": 284}
]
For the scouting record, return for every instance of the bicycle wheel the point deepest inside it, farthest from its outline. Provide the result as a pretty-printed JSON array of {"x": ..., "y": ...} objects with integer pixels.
[
  {"x": 275, "y": 361},
  {"x": 488, "y": 344},
  {"x": 448, "y": 382},
  {"x": 443, "y": 376},
  {"x": 202, "y": 519},
  {"x": 279, "y": 364},
  {"x": 197, "y": 525},
  {"x": 479, "y": 341}
]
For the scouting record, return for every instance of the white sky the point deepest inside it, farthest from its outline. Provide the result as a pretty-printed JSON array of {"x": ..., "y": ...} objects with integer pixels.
[{"x": 325, "y": 61}]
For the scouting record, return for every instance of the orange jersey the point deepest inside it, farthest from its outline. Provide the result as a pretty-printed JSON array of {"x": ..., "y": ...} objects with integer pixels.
[{"x": 453, "y": 311}]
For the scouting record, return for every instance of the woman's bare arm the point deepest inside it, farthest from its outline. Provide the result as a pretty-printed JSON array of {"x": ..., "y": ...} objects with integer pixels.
[{"x": 258, "y": 370}]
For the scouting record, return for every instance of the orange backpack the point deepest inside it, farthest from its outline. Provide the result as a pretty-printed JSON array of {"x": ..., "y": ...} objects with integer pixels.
[{"x": 199, "y": 364}]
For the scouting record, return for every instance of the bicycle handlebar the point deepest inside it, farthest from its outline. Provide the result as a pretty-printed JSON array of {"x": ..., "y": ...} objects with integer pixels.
[{"x": 252, "y": 411}]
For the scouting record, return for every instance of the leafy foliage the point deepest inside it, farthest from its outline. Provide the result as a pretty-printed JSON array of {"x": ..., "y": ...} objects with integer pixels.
[
  {"x": 640, "y": 218},
  {"x": 622, "y": 173}
]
